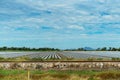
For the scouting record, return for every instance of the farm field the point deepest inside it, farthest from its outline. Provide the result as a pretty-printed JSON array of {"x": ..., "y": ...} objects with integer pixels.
[{"x": 63, "y": 54}]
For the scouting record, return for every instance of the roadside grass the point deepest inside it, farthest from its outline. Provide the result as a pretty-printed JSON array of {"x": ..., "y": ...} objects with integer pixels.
[
  {"x": 59, "y": 75},
  {"x": 113, "y": 75},
  {"x": 11, "y": 72}
]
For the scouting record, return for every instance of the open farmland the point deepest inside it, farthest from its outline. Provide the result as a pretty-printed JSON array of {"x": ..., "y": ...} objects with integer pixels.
[{"x": 63, "y": 54}]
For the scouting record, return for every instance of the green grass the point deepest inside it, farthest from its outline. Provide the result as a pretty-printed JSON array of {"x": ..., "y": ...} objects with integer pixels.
[
  {"x": 60, "y": 75},
  {"x": 11, "y": 72}
]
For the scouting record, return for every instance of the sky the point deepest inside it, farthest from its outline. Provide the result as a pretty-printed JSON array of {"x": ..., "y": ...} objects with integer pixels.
[{"x": 60, "y": 23}]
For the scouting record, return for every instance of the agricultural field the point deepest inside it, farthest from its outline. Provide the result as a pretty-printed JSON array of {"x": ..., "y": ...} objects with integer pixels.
[{"x": 64, "y": 55}]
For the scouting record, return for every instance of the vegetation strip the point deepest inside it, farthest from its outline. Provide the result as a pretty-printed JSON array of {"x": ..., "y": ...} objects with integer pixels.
[
  {"x": 59, "y": 61},
  {"x": 5, "y": 48},
  {"x": 59, "y": 75}
]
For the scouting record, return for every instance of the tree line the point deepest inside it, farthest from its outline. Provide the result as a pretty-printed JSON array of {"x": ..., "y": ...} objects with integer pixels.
[
  {"x": 108, "y": 49},
  {"x": 56, "y": 49},
  {"x": 27, "y": 49},
  {"x": 98, "y": 49}
]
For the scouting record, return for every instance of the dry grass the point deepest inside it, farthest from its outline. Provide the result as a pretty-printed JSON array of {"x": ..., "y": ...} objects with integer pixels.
[
  {"x": 43, "y": 77},
  {"x": 109, "y": 75},
  {"x": 61, "y": 75},
  {"x": 14, "y": 77}
]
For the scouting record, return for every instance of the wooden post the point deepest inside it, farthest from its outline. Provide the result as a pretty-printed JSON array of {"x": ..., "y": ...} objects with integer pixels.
[{"x": 28, "y": 75}]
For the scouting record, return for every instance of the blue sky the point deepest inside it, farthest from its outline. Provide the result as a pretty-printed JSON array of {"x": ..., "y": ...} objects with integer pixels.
[{"x": 60, "y": 23}]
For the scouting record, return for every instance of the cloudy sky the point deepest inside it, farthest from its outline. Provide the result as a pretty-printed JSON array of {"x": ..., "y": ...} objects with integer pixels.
[{"x": 60, "y": 23}]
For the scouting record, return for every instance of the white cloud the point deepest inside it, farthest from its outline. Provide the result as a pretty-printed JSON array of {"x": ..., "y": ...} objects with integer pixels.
[
  {"x": 86, "y": 16},
  {"x": 76, "y": 27}
]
